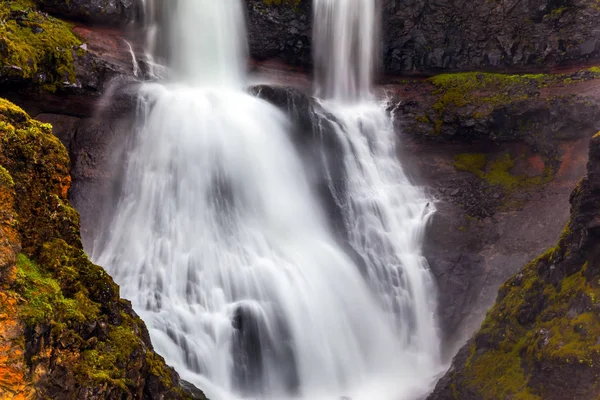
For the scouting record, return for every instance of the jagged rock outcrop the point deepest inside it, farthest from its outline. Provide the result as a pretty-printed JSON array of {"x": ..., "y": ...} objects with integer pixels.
[
  {"x": 110, "y": 12},
  {"x": 540, "y": 340},
  {"x": 424, "y": 36},
  {"x": 64, "y": 331}
]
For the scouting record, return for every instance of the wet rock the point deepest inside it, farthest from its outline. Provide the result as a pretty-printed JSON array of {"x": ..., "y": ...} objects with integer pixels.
[{"x": 110, "y": 12}]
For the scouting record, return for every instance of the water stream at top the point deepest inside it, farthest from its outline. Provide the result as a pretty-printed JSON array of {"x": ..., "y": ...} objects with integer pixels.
[{"x": 222, "y": 247}]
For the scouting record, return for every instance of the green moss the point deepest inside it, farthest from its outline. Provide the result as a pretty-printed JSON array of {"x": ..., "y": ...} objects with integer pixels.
[
  {"x": 499, "y": 375},
  {"x": 476, "y": 94},
  {"x": 498, "y": 170},
  {"x": 499, "y": 173},
  {"x": 106, "y": 363},
  {"x": 44, "y": 299},
  {"x": 5, "y": 178},
  {"x": 470, "y": 162},
  {"x": 423, "y": 119},
  {"x": 564, "y": 330},
  {"x": 35, "y": 46},
  {"x": 485, "y": 90},
  {"x": 157, "y": 367},
  {"x": 595, "y": 70}
]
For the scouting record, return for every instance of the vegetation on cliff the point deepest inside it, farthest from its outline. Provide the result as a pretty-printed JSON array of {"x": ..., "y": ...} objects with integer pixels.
[
  {"x": 36, "y": 47},
  {"x": 497, "y": 172},
  {"x": 64, "y": 331},
  {"x": 471, "y": 99},
  {"x": 540, "y": 340}
]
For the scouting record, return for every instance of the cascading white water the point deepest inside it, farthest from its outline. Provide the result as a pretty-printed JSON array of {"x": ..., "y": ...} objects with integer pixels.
[
  {"x": 345, "y": 34},
  {"x": 222, "y": 248},
  {"x": 384, "y": 213}
]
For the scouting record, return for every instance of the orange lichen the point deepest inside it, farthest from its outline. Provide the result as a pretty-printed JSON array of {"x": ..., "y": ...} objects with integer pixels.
[{"x": 14, "y": 383}]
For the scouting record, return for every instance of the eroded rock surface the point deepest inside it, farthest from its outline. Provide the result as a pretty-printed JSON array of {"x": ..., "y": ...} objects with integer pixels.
[{"x": 539, "y": 341}]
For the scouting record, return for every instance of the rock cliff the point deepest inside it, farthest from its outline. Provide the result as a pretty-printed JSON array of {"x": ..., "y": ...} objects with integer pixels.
[
  {"x": 424, "y": 36},
  {"x": 65, "y": 333},
  {"x": 540, "y": 340}
]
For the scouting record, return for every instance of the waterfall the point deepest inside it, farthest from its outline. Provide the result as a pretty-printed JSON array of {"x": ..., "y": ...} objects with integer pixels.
[
  {"x": 344, "y": 37},
  {"x": 385, "y": 215},
  {"x": 220, "y": 243}
]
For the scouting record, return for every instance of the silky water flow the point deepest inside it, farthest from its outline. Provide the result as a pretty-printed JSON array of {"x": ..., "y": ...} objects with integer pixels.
[{"x": 222, "y": 247}]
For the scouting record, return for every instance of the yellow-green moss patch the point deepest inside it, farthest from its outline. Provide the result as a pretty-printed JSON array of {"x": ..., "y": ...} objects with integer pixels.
[
  {"x": 5, "y": 178},
  {"x": 35, "y": 46},
  {"x": 475, "y": 95},
  {"x": 44, "y": 299},
  {"x": 497, "y": 171},
  {"x": 470, "y": 162}
]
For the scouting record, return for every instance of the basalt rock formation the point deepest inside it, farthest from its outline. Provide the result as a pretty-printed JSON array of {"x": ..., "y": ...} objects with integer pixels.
[{"x": 540, "y": 340}]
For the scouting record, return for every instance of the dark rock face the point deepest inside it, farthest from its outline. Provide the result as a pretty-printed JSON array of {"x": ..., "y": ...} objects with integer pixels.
[
  {"x": 539, "y": 341},
  {"x": 281, "y": 31},
  {"x": 460, "y": 35},
  {"x": 109, "y": 12},
  {"x": 471, "y": 256},
  {"x": 441, "y": 35}
]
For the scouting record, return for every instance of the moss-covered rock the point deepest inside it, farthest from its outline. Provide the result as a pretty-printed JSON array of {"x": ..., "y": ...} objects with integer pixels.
[
  {"x": 540, "y": 340},
  {"x": 35, "y": 46},
  {"x": 476, "y": 105},
  {"x": 70, "y": 336}
]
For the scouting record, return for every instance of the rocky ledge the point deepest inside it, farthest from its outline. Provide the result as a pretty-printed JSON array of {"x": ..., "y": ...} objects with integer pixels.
[
  {"x": 540, "y": 340},
  {"x": 49, "y": 65},
  {"x": 64, "y": 331}
]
